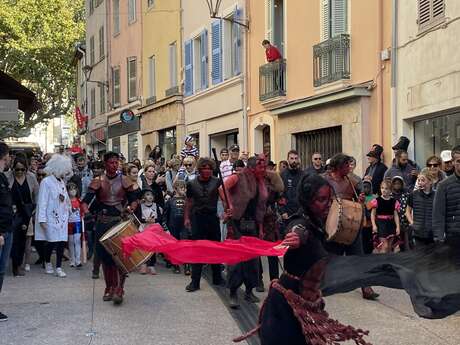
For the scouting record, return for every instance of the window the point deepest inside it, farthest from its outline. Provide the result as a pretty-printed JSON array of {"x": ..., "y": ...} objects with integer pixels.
[
  {"x": 188, "y": 60},
  {"x": 91, "y": 51},
  {"x": 102, "y": 99},
  {"x": 116, "y": 144},
  {"x": 216, "y": 51},
  {"x": 173, "y": 64},
  {"x": 93, "y": 102},
  {"x": 232, "y": 42},
  {"x": 152, "y": 91},
  {"x": 131, "y": 11},
  {"x": 274, "y": 23},
  {"x": 430, "y": 12},
  {"x": 132, "y": 79},
  {"x": 200, "y": 61},
  {"x": 333, "y": 18},
  {"x": 132, "y": 147},
  {"x": 91, "y": 7},
  {"x": 116, "y": 86},
  {"x": 150, "y": 3},
  {"x": 167, "y": 142},
  {"x": 116, "y": 16},
  {"x": 101, "y": 43}
]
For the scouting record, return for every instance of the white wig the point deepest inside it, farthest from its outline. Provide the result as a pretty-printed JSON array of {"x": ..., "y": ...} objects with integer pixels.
[{"x": 59, "y": 166}]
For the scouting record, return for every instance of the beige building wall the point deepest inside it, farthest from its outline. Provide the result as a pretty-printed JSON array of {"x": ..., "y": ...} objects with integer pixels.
[
  {"x": 428, "y": 73},
  {"x": 216, "y": 111},
  {"x": 369, "y": 26}
]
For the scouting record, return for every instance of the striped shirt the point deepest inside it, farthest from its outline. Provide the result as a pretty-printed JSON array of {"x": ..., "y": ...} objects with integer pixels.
[{"x": 185, "y": 152}]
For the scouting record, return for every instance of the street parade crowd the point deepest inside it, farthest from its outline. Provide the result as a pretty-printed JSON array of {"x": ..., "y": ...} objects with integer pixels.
[{"x": 62, "y": 204}]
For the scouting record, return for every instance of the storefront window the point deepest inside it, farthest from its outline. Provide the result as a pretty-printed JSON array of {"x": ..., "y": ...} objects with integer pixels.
[
  {"x": 132, "y": 147},
  {"x": 116, "y": 144},
  {"x": 435, "y": 135},
  {"x": 168, "y": 142}
]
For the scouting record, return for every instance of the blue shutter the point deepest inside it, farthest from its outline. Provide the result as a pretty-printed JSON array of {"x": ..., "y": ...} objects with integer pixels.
[
  {"x": 188, "y": 68},
  {"x": 204, "y": 59},
  {"x": 216, "y": 45},
  {"x": 237, "y": 42}
]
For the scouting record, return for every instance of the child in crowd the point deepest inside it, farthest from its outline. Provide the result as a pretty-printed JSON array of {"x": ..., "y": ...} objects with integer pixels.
[
  {"x": 368, "y": 244},
  {"x": 420, "y": 209},
  {"x": 399, "y": 192},
  {"x": 75, "y": 226},
  {"x": 384, "y": 217},
  {"x": 174, "y": 217},
  {"x": 149, "y": 212},
  {"x": 189, "y": 149}
]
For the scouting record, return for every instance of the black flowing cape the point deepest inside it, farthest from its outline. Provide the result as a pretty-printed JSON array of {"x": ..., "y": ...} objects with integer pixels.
[{"x": 430, "y": 275}]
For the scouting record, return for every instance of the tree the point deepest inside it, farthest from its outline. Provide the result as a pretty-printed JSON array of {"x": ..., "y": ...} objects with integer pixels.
[{"x": 37, "y": 43}]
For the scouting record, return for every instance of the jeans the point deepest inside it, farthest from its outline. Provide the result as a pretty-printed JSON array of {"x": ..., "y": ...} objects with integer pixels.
[{"x": 5, "y": 255}]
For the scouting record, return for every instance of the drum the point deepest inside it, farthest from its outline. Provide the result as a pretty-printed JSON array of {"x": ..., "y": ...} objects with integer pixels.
[
  {"x": 344, "y": 221},
  {"x": 111, "y": 241}
]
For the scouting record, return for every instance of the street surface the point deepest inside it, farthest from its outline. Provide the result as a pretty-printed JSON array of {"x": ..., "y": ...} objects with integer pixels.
[{"x": 45, "y": 310}]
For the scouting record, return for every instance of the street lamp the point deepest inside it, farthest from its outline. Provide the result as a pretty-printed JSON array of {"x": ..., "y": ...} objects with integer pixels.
[
  {"x": 87, "y": 69},
  {"x": 214, "y": 6}
]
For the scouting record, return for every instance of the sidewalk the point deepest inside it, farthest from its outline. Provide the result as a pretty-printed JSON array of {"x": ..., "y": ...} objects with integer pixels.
[{"x": 47, "y": 310}]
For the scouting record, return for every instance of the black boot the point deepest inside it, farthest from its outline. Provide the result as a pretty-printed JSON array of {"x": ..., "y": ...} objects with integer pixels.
[
  {"x": 233, "y": 301},
  {"x": 250, "y": 297},
  {"x": 192, "y": 287}
]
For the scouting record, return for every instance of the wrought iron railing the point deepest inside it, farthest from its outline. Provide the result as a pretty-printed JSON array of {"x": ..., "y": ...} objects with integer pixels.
[
  {"x": 272, "y": 80},
  {"x": 331, "y": 60}
]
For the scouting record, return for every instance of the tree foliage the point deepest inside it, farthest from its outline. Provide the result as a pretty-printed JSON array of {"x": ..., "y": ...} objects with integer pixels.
[{"x": 37, "y": 44}]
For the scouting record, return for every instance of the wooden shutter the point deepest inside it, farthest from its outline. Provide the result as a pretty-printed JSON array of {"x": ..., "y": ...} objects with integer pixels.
[
  {"x": 236, "y": 42},
  {"x": 152, "y": 92},
  {"x": 172, "y": 65},
  {"x": 216, "y": 48},
  {"x": 116, "y": 16},
  {"x": 102, "y": 98},
  {"x": 338, "y": 17},
  {"x": 116, "y": 86},
  {"x": 424, "y": 12},
  {"x": 204, "y": 59},
  {"x": 438, "y": 9},
  {"x": 132, "y": 79},
  {"x": 101, "y": 42},
  {"x": 270, "y": 14},
  {"x": 325, "y": 20},
  {"x": 429, "y": 11},
  {"x": 188, "y": 84}
]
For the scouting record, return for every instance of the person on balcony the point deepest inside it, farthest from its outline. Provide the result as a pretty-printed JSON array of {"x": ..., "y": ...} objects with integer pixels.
[{"x": 271, "y": 52}]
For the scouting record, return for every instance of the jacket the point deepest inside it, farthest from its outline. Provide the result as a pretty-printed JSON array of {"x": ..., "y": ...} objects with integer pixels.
[
  {"x": 377, "y": 174},
  {"x": 446, "y": 210},
  {"x": 6, "y": 205},
  {"x": 422, "y": 206},
  {"x": 291, "y": 179},
  {"x": 31, "y": 181},
  {"x": 405, "y": 173}
]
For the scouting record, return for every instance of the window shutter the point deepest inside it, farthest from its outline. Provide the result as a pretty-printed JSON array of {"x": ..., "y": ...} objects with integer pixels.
[
  {"x": 204, "y": 59},
  {"x": 216, "y": 28},
  {"x": 325, "y": 20},
  {"x": 152, "y": 92},
  {"x": 236, "y": 49},
  {"x": 339, "y": 17},
  {"x": 188, "y": 68},
  {"x": 270, "y": 13},
  {"x": 173, "y": 65},
  {"x": 438, "y": 9}
]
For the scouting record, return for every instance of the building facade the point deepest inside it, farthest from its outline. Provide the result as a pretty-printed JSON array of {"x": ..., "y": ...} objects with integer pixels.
[
  {"x": 124, "y": 32},
  {"x": 427, "y": 80},
  {"x": 331, "y": 91},
  {"x": 162, "y": 112},
  {"x": 213, "y": 75}
]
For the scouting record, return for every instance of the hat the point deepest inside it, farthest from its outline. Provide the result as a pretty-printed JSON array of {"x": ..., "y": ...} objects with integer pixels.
[
  {"x": 224, "y": 150},
  {"x": 397, "y": 178},
  {"x": 271, "y": 164},
  {"x": 373, "y": 154},
  {"x": 189, "y": 138},
  {"x": 402, "y": 144},
  {"x": 146, "y": 190},
  {"x": 367, "y": 182},
  {"x": 446, "y": 155},
  {"x": 234, "y": 147},
  {"x": 378, "y": 149}
]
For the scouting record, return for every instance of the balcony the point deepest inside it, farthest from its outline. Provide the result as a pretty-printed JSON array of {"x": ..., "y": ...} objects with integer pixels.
[
  {"x": 331, "y": 60},
  {"x": 272, "y": 80}
]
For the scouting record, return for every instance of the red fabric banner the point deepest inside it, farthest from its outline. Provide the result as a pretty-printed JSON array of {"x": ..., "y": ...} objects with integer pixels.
[
  {"x": 155, "y": 239},
  {"x": 81, "y": 119}
]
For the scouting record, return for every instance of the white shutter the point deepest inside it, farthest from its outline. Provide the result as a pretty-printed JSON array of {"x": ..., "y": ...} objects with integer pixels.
[
  {"x": 172, "y": 65},
  {"x": 325, "y": 20},
  {"x": 270, "y": 13},
  {"x": 338, "y": 17},
  {"x": 438, "y": 9}
]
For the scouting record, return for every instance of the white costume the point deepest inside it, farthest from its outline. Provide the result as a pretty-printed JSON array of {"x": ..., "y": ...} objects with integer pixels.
[{"x": 53, "y": 208}]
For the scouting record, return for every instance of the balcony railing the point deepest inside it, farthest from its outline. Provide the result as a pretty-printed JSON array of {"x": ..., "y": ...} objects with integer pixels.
[
  {"x": 331, "y": 60},
  {"x": 272, "y": 80}
]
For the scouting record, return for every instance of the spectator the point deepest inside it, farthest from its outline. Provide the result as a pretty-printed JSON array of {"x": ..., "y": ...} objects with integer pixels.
[
  {"x": 352, "y": 176},
  {"x": 24, "y": 187},
  {"x": 6, "y": 217},
  {"x": 82, "y": 175},
  {"x": 171, "y": 174},
  {"x": 368, "y": 243},
  {"x": 291, "y": 178},
  {"x": 272, "y": 53},
  {"x": 33, "y": 165},
  {"x": 189, "y": 149},
  {"x": 401, "y": 195},
  {"x": 53, "y": 209},
  {"x": 238, "y": 166},
  {"x": 137, "y": 163},
  {"x": 75, "y": 226},
  {"x": 316, "y": 164},
  {"x": 271, "y": 166},
  {"x": 447, "y": 165},
  {"x": 446, "y": 213},
  {"x": 156, "y": 155},
  {"x": 226, "y": 167},
  {"x": 39, "y": 245},
  {"x": 375, "y": 171},
  {"x": 244, "y": 156},
  {"x": 420, "y": 209},
  {"x": 189, "y": 173},
  {"x": 434, "y": 163},
  {"x": 404, "y": 168},
  {"x": 148, "y": 181},
  {"x": 282, "y": 165}
]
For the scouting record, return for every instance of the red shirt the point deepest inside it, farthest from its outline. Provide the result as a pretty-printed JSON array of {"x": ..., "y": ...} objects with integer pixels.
[{"x": 272, "y": 53}]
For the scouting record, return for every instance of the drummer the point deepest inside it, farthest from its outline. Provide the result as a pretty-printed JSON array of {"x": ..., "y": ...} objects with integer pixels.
[
  {"x": 346, "y": 186},
  {"x": 116, "y": 197}
]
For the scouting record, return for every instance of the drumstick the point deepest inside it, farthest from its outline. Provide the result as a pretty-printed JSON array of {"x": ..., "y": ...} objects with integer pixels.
[
  {"x": 137, "y": 219},
  {"x": 84, "y": 251}
]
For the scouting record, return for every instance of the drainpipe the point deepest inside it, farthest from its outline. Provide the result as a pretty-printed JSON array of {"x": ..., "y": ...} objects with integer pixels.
[
  {"x": 380, "y": 76},
  {"x": 244, "y": 98},
  {"x": 181, "y": 78},
  {"x": 394, "y": 70}
]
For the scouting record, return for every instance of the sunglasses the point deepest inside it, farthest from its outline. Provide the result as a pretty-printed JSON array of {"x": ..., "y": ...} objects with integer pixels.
[
  {"x": 188, "y": 165},
  {"x": 432, "y": 165},
  {"x": 317, "y": 159},
  {"x": 19, "y": 169}
]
